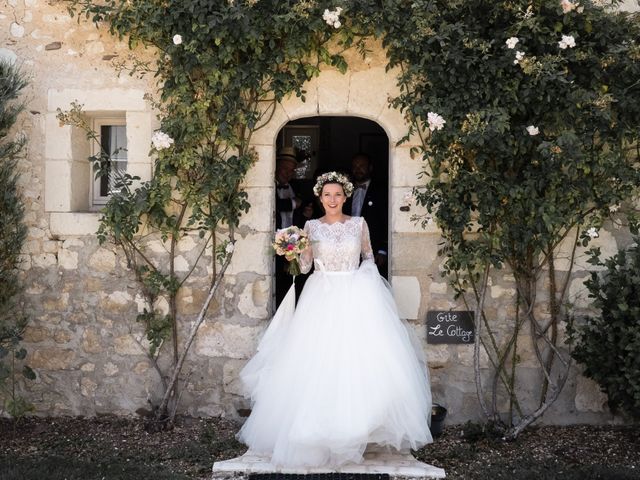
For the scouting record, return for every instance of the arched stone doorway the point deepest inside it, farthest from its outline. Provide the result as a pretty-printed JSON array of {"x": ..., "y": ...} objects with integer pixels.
[
  {"x": 327, "y": 143},
  {"x": 364, "y": 92}
]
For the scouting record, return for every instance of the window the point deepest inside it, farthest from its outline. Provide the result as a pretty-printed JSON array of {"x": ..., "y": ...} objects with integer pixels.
[{"x": 112, "y": 135}]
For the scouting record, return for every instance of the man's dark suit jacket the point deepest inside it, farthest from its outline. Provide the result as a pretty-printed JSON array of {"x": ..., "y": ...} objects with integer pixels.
[{"x": 375, "y": 212}]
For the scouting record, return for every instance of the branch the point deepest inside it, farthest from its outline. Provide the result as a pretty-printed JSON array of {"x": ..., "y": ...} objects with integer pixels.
[
  {"x": 192, "y": 334},
  {"x": 476, "y": 343}
]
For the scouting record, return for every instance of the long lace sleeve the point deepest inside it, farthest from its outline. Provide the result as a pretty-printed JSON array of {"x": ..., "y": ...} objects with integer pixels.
[
  {"x": 306, "y": 257},
  {"x": 366, "y": 251}
]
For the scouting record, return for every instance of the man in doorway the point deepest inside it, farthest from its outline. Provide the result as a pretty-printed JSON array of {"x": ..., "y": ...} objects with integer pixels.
[
  {"x": 287, "y": 200},
  {"x": 369, "y": 200},
  {"x": 288, "y": 204}
]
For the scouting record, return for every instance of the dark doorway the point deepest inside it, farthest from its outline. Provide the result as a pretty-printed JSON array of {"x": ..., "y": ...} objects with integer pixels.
[{"x": 322, "y": 144}]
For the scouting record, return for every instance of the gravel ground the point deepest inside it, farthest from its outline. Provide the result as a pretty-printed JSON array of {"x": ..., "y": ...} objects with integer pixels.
[{"x": 120, "y": 448}]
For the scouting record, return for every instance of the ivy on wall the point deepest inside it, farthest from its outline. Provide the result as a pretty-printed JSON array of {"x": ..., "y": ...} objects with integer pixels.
[{"x": 528, "y": 113}]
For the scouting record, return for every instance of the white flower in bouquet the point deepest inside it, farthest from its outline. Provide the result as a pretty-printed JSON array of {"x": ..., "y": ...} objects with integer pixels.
[
  {"x": 332, "y": 17},
  {"x": 229, "y": 248},
  {"x": 533, "y": 130},
  {"x": 567, "y": 42},
  {"x": 593, "y": 232},
  {"x": 436, "y": 122},
  {"x": 161, "y": 140},
  {"x": 512, "y": 42},
  {"x": 177, "y": 39}
]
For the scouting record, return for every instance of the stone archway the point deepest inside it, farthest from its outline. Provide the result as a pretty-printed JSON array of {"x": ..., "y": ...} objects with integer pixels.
[{"x": 363, "y": 91}]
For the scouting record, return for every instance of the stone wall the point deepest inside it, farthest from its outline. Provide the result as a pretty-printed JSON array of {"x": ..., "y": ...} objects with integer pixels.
[{"x": 83, "y": 340}]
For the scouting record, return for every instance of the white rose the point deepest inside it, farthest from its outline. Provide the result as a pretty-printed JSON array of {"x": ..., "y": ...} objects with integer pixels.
[
  {"x": 519, "y": 56},
  {"x": 512, "y": 42},
  {"x": 436, "y": 122},
  {"x": 593, "y": 232},
  {"x": 567, "y": 42},
  {"x": 161, "y": 140},
  {"x": 229, "y": 248},
  {"x": 533, "y": 130},
  {"x": 177, "y": 39}
]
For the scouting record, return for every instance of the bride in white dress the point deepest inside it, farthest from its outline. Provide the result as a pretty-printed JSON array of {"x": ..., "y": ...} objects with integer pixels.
[{"x": 341, "y": 369}]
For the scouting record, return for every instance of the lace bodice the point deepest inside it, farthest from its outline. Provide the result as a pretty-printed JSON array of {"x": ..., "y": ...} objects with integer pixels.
[{"x": 336, "y": 247}]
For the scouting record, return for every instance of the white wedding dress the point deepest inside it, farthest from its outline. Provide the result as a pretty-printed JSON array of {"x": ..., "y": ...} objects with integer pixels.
[{"x": 341, "y": 370}]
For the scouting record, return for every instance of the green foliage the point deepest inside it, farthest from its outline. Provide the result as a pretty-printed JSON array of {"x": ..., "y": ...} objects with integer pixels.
[
  {"x": 520, "y": 193},
  {"x": 221, "y": 68},
  {"x": 13, "y": 232},
  {"x": 503, "y": 194},
  {"x": 608, "y": 345}
]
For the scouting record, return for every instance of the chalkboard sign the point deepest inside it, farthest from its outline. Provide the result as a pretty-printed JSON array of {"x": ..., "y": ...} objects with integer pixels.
[{"x": 450, "y": 327}]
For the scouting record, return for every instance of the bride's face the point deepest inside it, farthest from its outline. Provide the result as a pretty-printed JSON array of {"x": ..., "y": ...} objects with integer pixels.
[{"x": 332, "y": 198}]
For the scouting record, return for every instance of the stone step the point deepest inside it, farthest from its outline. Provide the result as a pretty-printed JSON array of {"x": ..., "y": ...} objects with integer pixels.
[{"x": 398, "y": 465}]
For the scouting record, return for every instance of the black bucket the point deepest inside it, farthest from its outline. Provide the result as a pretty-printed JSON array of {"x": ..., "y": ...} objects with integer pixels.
[{"x": 438, "y": 414}]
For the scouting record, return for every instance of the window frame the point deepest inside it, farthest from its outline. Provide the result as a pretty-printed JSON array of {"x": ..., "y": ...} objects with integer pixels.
[{"x": 97, "y": 201}]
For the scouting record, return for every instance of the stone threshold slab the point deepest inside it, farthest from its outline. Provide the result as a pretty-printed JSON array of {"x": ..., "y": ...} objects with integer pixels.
[{"x": 396, "y": 464}]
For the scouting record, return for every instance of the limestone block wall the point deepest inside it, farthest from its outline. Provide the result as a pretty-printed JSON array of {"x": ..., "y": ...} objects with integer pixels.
[{"x": 83, "y": 340}]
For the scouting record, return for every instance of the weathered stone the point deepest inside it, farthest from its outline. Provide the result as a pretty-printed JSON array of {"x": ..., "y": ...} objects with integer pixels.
[
  {"x": 93, "y": 285},
  {"x": 17, "y": 30},
  {"x": 52, "y": 358},
  {"x": 589, "y": 396},
  {"x": 91, "y": 341},
  {"x": 437, "y": 355},
  {"x": 35, "y": 334},
  {"x": 117, "y": 302},
  {"x": 88, "y": 387},
  {"x": 110, "y": 369},
  {"x": 221, "y": 340},
  {"x": 57, "y": 303},
  {"x": 466, "y": 353},
  {"x": 49, "y": 246},
  {"x": 439, "y": 288},
  {"x": 406, "y": 291},
  {"x": 44, "y": 260},
  {"x": 187, "y": 244},
  {"x": 88, "y": 367},
  {"x": 254, "y": 300},
  {"x": 68, "y": 259},
  {"x": 62, "y": 336},
  {"x": 127, "y": 345},
  {"x": 497, "y": 291},
  {"x": 72, "y": 242},
  {"x": 103, "y": 260},
  {"x": 141, "y": 367},
  {"x": 180, "y": 264},
  {"x": 230, "y": 376}
]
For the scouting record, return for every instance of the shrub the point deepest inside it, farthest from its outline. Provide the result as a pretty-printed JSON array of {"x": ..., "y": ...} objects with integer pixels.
[
  {"x": 608, "y": 345},
  {"x": 12, "y": 235}
]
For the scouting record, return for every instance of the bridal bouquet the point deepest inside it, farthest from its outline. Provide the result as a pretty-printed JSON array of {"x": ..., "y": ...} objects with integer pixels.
[{"x": 290, "y": 242}]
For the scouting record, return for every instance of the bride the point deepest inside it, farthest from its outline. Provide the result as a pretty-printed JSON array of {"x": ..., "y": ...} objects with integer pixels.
[{"x": 341, "y": 369}]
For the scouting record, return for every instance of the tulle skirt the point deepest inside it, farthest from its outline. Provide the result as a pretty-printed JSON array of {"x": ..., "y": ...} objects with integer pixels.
[{"x": 336, "y": 373}]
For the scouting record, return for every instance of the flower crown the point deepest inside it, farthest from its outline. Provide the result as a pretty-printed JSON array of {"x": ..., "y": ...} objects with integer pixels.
[{"x": 333, "y": 177}]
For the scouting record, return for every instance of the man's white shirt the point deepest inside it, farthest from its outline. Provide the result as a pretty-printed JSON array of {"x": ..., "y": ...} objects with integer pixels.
[
  {"x": 358, "y": 199},
  {"x": 286, "y": 218}
]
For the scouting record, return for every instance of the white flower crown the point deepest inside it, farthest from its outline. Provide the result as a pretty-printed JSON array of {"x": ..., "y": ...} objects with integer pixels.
[{"x": 333, "y": 177}]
